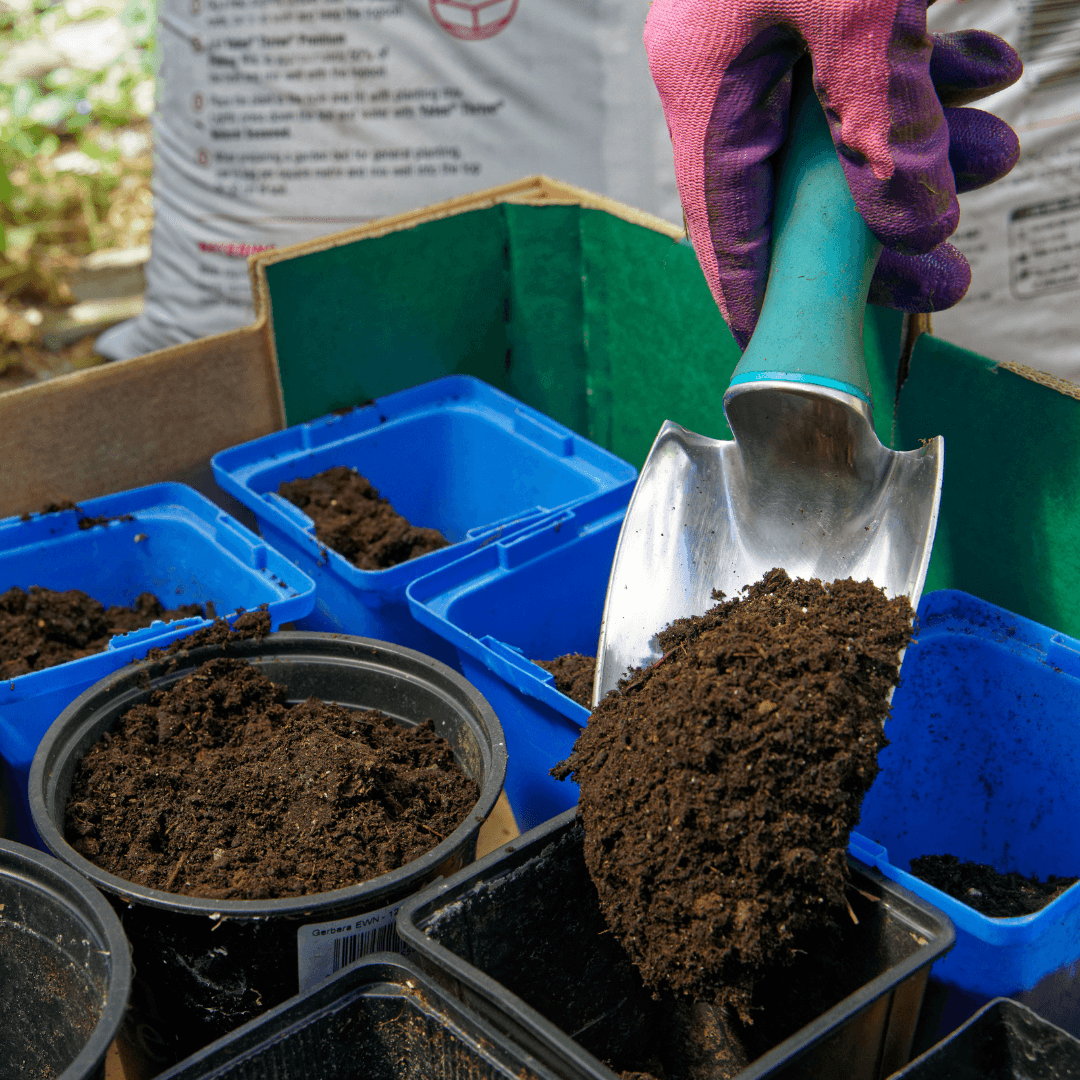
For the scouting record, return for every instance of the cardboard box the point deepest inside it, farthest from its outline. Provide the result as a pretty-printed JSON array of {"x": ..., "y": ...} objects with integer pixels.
[{"x": 589, "y": 310}]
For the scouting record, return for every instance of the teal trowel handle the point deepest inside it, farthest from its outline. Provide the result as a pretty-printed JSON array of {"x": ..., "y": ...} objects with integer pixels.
[{"x": 823, "y": 256}]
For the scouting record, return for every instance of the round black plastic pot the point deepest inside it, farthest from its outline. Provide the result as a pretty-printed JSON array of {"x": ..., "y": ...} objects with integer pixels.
[
  {"x": 65, "y": 970},
  {"x": 204, "y": 967}
]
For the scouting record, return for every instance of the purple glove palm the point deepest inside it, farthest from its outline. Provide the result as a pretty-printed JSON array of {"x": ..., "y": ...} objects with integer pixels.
[{"x": 723, "y": 69}]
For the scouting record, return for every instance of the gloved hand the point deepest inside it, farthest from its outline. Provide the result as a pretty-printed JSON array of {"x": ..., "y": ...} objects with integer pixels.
[{"x": 723, "y": 69}]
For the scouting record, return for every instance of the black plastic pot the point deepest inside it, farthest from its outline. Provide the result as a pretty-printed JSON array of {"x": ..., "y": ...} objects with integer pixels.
[
  {"x": 1003, "y": 1041},
  {"x": 65, "y": 970},
  {"x": 205, "y": 967},
  {"x": 382, "y": 1018},
  {"x": 520, "y": 937}
]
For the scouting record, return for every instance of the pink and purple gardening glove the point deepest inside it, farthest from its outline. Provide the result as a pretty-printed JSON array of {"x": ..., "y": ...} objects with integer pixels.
[{"x": 891, "y": 93}]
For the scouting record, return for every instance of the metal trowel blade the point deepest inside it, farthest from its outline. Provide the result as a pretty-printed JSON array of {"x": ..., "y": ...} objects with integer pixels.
[{"x": 805, "y": 485}]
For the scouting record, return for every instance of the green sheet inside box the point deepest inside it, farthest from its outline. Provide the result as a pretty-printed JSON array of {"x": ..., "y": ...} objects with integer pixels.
[{"x": 608, "y": 326}]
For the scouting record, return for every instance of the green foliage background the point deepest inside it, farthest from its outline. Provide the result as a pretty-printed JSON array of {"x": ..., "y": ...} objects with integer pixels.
[{"x": 51, "y": 213}]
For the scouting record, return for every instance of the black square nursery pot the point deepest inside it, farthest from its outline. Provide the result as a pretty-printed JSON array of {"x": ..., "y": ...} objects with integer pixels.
[
  {"x": 519, "y": 936},
  {"x": 380, "y": 1019},
  {"x": 1004, "y": 1040},
  {"x": 204, "y": 967}
]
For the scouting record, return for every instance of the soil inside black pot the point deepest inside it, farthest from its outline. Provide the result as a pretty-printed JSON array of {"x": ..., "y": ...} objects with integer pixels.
[
  {"x": 217, "y": 787},
  {"x": 40, "y": 628},
  {"x": 1001, "y": 896},
  {"x": 355, "y": 521},
  {"x": 573, "y": 676},
  {"x": 719, "y": 787}
]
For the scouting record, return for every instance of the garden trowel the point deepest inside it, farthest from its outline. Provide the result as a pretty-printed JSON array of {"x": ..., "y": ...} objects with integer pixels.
[{"x": 806, "y": 485}]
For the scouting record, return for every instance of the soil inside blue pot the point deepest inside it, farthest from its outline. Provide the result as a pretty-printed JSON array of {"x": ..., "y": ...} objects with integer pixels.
[
  {"x": 573, "y": 675},
  {"x": 352, "y": 519},
  {"x": 40, "y": 628},
  {"x": 988, "y": 891}
]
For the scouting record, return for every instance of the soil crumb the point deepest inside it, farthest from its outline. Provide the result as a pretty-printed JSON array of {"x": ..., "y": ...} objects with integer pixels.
[
  {"x": 53, "y": 508},
  {"x": 352, "y": 519},
  {"x": 573, "y": 676},
  {"x": 719, "y": 787},
  {"x": 1001, "y": 896},
  {"x": 218, "y": 787},
  {"x": 40, "y": 628}
]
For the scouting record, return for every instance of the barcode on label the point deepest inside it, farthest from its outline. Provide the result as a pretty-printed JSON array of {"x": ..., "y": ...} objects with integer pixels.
[
  {"x": 323, "y": 949},
  {"x": 381, "y": 939}
]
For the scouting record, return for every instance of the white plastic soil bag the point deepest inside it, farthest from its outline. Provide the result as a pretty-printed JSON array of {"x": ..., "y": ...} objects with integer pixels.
[
  {"x": 282, "y": 120},
  {"x": 1022, "y": 234}
]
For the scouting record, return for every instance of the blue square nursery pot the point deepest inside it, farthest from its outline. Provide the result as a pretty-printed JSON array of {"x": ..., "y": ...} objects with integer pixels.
[
  {"x": 454, "y": 455},
  {"x": 983, "y": 763},
  {"x": 166, "y": 539},
  {"x": 535, "y": 595}
]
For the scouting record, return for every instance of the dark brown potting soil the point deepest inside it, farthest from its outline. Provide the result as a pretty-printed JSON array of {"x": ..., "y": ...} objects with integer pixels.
[
  {"x": 719, "y": 787},
  {"x": 40, "y": 628},
  {"x": 573, "y": 676},
  {"x": 218, "y": 788},
  {"x": 1001, "y": 896},
  {"x": 355, "y": 521}
]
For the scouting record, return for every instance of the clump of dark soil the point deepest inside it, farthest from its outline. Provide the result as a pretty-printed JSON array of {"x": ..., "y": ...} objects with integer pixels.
[
  {"x": 719, "y": 787},
  {"x": 218, "y": 787},
  {"x": 573, "y": 676},
  {"x": 1001, "y": 896},
  {"x": 248, "y": 624},
  {"x": 355, "y": 521},
  {"x": 53, "y": 508},
  {"x": 85, "y": 522},
  {"x": 40, "y": 628}
]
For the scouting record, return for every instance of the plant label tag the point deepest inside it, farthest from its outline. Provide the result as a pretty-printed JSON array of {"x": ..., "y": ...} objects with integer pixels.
[{"x": 325, "y": 948}]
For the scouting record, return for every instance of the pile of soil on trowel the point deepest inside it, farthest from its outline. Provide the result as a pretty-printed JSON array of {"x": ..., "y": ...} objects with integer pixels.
[
  {"x": 218, "y": 787},
  {"x": 40, "y": 628},
  {"x": 719, "y": 787},
  {"x": 355, "y": 521},
  {"x": 1001, "y": 896},
  {"x": 573, "y": 676}
]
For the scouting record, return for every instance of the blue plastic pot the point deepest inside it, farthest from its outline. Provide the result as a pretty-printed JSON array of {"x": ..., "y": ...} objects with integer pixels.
[
  {"x": 177, "y": 545},
  {"x": 984, "y": 764},
  {"x": 532, "y": 596},
  {"x": 454, "y": 455}
]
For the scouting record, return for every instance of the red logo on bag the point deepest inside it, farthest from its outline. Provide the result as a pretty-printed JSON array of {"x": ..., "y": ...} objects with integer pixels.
[{"x": 473, "y": 20}]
